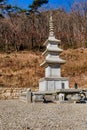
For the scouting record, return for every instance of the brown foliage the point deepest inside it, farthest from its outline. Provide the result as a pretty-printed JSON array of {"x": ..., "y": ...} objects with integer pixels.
[
  {"x": 30, "y": 31},
  {"x": 22, "y": 69}
]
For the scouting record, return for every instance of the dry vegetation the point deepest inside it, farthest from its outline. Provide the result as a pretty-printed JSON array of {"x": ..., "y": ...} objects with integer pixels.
[
  {"x": 76, "y": 66},
  {"x": 29, "y": 31},
  {"x": 21, "y": 69}
]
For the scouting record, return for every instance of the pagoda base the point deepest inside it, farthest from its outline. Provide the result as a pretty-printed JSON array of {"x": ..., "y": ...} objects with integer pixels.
[{"x": 52, "y": 84}]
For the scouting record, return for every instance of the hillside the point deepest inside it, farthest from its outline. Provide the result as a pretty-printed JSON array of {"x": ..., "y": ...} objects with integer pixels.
[
  {"x": 21, "y": 69},
  {"x": 23, "y": 31}
]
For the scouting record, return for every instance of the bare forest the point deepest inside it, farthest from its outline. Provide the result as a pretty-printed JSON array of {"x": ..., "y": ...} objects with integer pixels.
[{"x": 29, "y": 31}]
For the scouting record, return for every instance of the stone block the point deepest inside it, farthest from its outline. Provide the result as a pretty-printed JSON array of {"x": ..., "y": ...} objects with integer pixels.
[
  {"x": 29, "y": 95},
  {"x": 37, "y": 98},
  {"x": 61, "y": 97},
  {"x": 52, "y": 84}
]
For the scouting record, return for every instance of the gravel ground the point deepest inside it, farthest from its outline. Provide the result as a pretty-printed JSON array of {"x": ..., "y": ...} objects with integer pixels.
[{"x": 17, "y": 115}]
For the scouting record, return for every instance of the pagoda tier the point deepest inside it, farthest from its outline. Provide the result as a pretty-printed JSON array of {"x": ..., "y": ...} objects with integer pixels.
[
  {"x": 52, "y": 53},
  {"x": 51, "y": 39},
  {"x": 52, "y": 47},
  {"x": 52, "y": 63},
  {"x": 52, "y": 60}
]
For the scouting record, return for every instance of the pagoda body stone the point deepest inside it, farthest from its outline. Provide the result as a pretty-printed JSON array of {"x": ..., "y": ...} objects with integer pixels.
[{"x": 52, "y": 80}]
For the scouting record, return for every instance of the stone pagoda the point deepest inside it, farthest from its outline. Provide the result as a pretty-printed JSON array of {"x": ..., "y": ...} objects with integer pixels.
[{"x": 52, "y": 80}]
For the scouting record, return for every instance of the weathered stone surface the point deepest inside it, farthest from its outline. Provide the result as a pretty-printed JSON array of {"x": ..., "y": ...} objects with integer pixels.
[
  {"x": 10, "y": 93},
  {"x": 29, "y": 95},
  {"x": 61, "y": 97},
  {"x": 52, "y": 84},
  {"x": 76, "y": 97},
  {"x": 37, "y": 98}
]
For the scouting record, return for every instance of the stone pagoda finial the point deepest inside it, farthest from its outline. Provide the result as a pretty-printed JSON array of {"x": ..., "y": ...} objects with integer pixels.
[{"x": 51, "y": 28}]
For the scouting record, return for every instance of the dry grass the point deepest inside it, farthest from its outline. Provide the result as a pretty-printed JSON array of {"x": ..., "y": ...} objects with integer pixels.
[
  {"x": 22, "y": 69},
  {"x": 76, "y": 66}
]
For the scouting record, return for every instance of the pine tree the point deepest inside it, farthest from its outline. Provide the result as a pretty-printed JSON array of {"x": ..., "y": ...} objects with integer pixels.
[
  {"x": 36, "y": 4},
  {"x": 8, "y": 9},
  {"x": 2, "y": 3}
]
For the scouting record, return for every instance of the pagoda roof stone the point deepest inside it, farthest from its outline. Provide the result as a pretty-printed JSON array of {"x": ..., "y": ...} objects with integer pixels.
[
  {"x": 55, "y": 60},
  {"x": 52, "y": 49},
  {"x": 51, "y": 39},
  {"x": 51, "y": 60}
]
